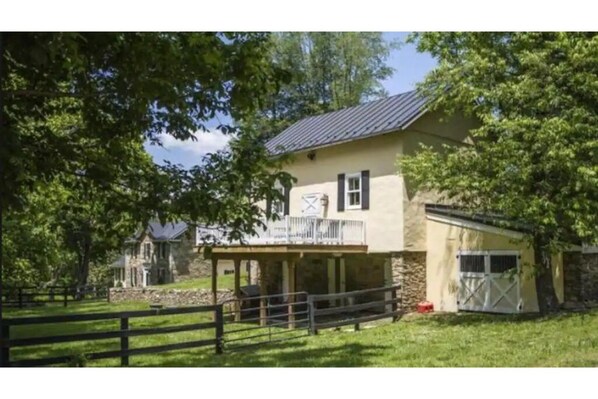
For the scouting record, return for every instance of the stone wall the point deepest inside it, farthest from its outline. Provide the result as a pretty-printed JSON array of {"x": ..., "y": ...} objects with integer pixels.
[
  {"x": 409, "y": 271},
  {"x": 580, "y": 277},
  {"x": 166, "y": 297}
]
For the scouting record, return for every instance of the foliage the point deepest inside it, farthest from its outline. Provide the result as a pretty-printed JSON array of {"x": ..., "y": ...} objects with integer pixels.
[
  {"x": 321, "y": 72},
  {"x": 534, "y": 158},
  {"x": 77, "y": 110},
  {"x": 79, "y": 100},
  {"x": 32, "y": 246}
]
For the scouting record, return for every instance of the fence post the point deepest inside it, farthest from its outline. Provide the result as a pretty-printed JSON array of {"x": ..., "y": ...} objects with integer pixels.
[
  {"x": 66, "y": 292},
  {"x": 219, "y": 329},
  {"x": 20, "y": 298},
  {"x": 4, "y": 348},
  {"x": 124, "y": 341},
  {"x": 312, "y": 316},
  {"x": 394, "y": 305}
]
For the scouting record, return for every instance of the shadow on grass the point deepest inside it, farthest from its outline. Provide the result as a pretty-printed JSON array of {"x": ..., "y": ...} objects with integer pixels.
[
  {"x": 287, "y": 354},
  {"x": 476, "y": 318}
]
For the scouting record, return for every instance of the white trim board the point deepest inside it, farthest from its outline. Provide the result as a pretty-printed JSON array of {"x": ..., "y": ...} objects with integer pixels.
[{"x": 475, "y": 226}]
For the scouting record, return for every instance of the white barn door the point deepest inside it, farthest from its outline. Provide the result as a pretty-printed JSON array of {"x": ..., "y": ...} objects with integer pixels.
[
  {"x": 489, "y": 281},
  {"x": 310, "y": 205}
]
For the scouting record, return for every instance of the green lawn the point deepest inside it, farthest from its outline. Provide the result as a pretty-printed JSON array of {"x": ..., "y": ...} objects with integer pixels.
[
  {"x": 224, "y": 281},
  {"x": 567, "y": 339}
]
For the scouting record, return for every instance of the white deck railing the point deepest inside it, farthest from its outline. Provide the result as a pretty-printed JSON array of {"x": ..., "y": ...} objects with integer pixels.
[{"x": 304, "y": 230}]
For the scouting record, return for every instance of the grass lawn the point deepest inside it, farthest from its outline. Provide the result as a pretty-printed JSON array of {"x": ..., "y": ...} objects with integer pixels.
[
  {"x": 224, "y": 281},
  {"x": 567, "y": 339}
]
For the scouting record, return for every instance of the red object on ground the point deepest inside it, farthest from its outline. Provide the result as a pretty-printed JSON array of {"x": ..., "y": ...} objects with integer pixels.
[{"x": 425, "y": 307}]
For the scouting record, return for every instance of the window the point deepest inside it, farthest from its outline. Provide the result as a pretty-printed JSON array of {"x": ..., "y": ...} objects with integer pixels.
[
  {"x": 472, "y": 264},
  {"x": 136, "y": 250},
  {"x": 502, "y": 263},
  {"x": 278, "y": 205},
  {"x": 162, "y": 250},
  {"x": 133, "y": 277},
  {"x": 353, "y": 191},
  {"x": 147, "y": 250},
  {"x": 119, "y": 275}
]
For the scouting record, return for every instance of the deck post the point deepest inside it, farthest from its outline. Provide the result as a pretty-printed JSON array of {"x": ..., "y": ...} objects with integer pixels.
[
  {"x": 292, "y": 290},
  {"x": 263, "y": 293},
  {"x": 237, "y": 289},
  {"x": 214, "y": 280}
]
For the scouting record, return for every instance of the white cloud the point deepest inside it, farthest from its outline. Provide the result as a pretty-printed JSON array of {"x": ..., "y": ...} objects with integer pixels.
[{"x": 210, "y": 141}]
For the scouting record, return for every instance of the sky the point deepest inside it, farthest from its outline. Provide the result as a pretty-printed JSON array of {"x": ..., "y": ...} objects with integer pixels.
[{"x": 410, "y": 68}]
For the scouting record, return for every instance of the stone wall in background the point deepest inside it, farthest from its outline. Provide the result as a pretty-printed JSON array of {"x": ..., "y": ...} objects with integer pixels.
[{"x": 168, "y": 297}]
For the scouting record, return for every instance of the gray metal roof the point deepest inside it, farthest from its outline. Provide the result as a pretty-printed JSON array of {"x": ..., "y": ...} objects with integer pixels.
[
  {"x": 366, "y": 120},
  {"x": 168, "y": 231}
]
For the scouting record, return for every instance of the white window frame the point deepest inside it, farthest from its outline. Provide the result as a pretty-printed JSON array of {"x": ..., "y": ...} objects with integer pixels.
[{"x": 347, "y": 191}]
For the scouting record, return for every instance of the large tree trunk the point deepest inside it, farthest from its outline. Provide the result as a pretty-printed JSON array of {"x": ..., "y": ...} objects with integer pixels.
[
  {"x": 547, "y": 299},
  {"x": 84, "y": 259}
]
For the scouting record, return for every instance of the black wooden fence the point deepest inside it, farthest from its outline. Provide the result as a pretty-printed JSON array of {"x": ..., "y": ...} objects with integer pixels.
[
  {"x": 123, "y": 334},
  {"x": 32, "y": 296},
  {"x": 353, "y": 308},
  {"x": 286, "y": 313}
]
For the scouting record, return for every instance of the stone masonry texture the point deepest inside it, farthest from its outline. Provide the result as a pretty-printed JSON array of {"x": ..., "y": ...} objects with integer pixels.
[{"x": 409, "y": 271}]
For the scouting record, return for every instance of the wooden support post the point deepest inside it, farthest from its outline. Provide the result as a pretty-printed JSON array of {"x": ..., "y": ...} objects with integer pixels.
[
  {"x": 263, "y": 293},
  {"x": 124, "y": 341},
  {"x": 292, "y": 290},
  {"x": 214, "y": 280},
  {"x": 237, "y": 289}
]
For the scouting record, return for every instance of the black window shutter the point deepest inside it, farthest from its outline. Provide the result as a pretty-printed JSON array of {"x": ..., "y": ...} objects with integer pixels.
[
  {"x": 287, "y": 199},
  {"x": 268, "y": 206},
  {"x": 365, "y": 189},
  {"x": 341, "y": 192}
]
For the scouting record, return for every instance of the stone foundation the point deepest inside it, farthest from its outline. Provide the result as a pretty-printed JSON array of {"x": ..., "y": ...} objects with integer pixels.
[
  {"x": 167, "y": 297},
  {"x": 409, "y": 271}
]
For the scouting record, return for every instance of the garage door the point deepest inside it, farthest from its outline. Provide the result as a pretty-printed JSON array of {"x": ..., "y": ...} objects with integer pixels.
[{"x": 489, "y": 281}]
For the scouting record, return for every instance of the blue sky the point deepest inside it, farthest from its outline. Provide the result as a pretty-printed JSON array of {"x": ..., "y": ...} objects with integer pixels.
[{"x": 410, "y": 68}]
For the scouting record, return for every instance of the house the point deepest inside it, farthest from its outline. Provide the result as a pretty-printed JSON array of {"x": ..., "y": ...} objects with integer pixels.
[
  {"x": 352, "y": 222},
  {"x": 162, "y": 254}
]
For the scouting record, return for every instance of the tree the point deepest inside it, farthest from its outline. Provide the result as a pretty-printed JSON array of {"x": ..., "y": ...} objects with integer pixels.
[
  {"x": 535, "y": 156},
  {"x": 73, "y": 99},
  {"x": 321, "y": 72}
]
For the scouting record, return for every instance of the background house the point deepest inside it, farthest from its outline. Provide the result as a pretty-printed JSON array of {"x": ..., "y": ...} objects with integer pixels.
[{"x": 162, "y": 254}]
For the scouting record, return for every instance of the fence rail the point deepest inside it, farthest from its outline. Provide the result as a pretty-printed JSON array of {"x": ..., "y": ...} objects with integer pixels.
[
  {"x": 282, "y": 316},
  {"x": 31, "y": 295},
  {"x": 238, "y": 324},
  {"x": 349, "y": 312},
  {"x": 123, "y": 334}
]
